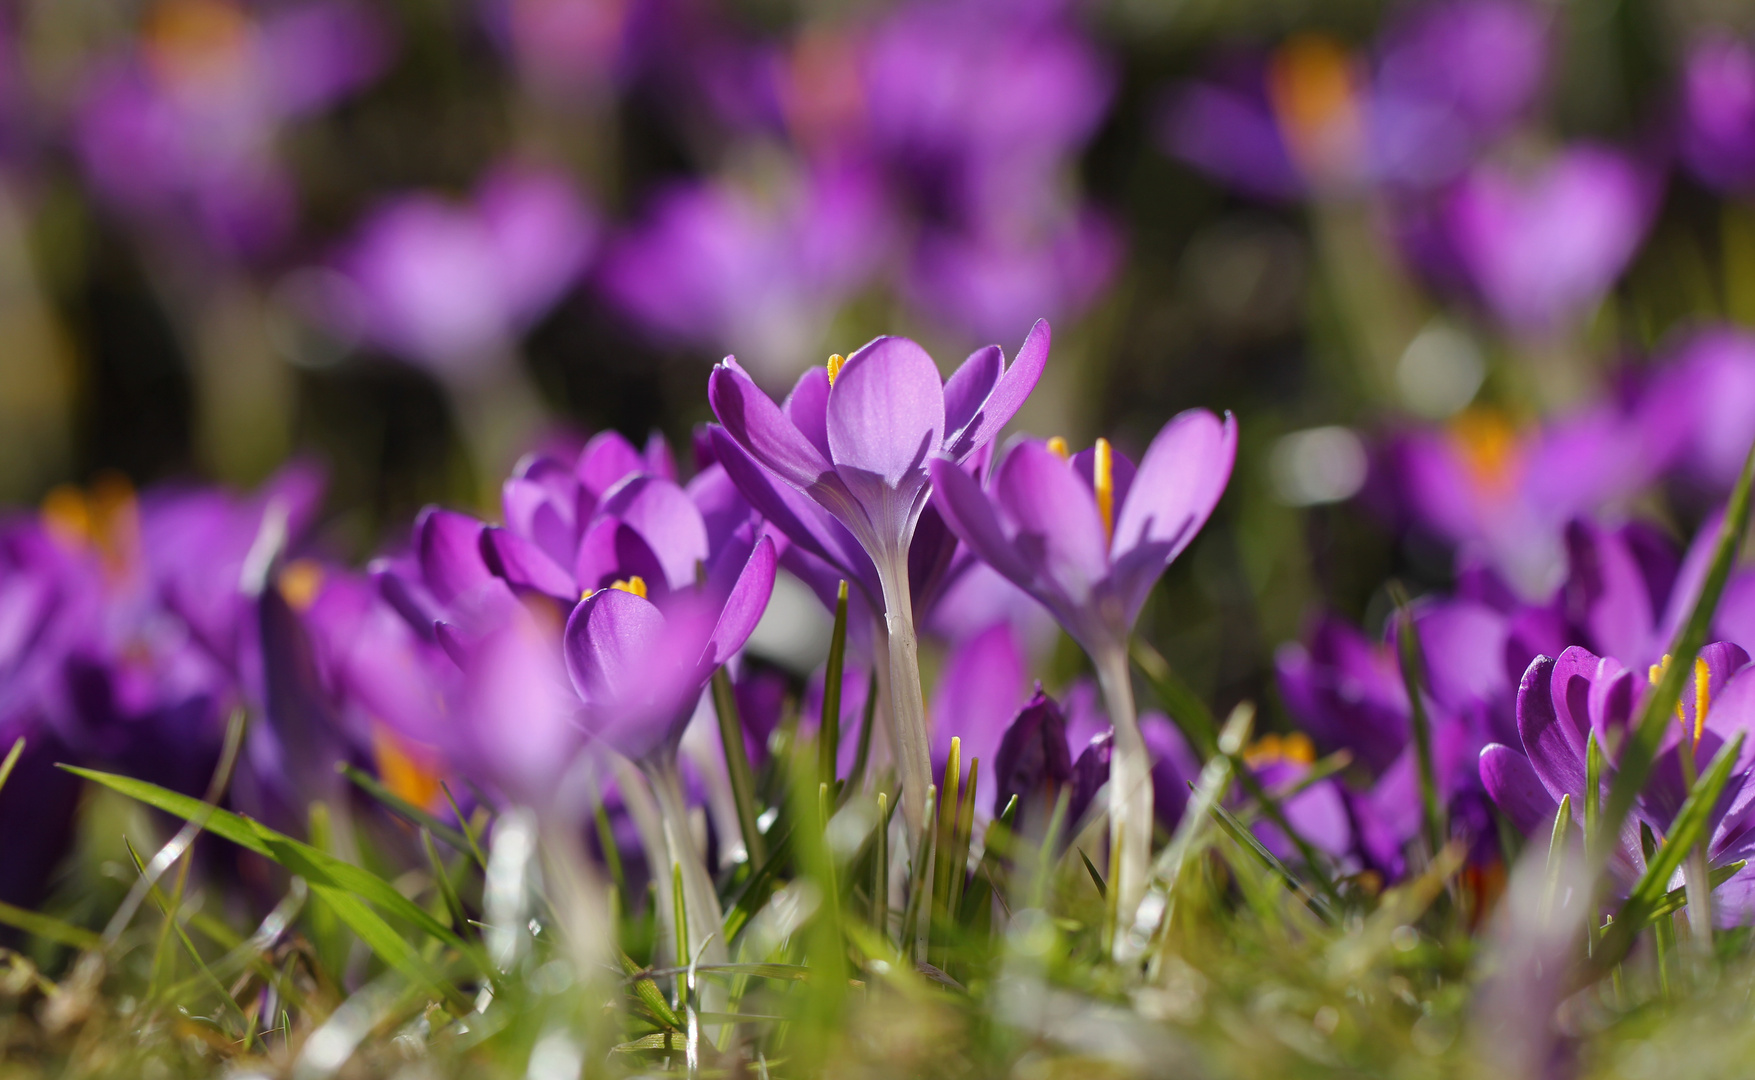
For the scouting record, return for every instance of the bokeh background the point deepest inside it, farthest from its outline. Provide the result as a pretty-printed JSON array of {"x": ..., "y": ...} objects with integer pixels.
[{"x": 411, "y": 239}]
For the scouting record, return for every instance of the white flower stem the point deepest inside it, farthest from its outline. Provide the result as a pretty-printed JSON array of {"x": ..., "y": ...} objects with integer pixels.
[
  {"x": 908, "y": 738},
  {"x": 1130, "y": 788},
  {"x": 700, "y": 900}
]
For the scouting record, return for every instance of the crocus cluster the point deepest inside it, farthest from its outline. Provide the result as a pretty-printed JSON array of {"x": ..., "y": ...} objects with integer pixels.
[{"x": 557, "y": 658}]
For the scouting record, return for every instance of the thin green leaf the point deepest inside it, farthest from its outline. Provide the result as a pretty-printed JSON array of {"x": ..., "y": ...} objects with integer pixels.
[
  {"x": 1096, "y": 877},
  {"x": 1247, "y": 840},
  {"x": 464, "y": 826},
  {"x": 1677, "y": 898},
  {"x": 650, "y": 996},
  {"x": 442, "y": 877},
  {"x": 1636, "y": 757},
  {"x": 1184, "y": 705},
  {"x": 323, "y": 871},
  {"x": 1414, "y": 679},
  {"x": 49, "y": 928},
  {"x": 737, "y": 768},
  {"x": 402, "y": 808},
  {"x": 12, "y": 757},
  {"x": 1557, "y": 850},
  {"x": 1688, "y": 829},
  {"x": 829, "y": 729}
]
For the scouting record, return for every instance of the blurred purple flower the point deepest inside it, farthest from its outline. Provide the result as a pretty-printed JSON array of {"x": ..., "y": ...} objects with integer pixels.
[
  {"x": 1445, "y": 81},
  {"x": 719, "y": 266},
  {"x": 986, "y": 680},
  {"x": 1718, "y": 113},
  {"x": 1708, "y": 386},
  {"x": 1543, "y": 249},
  {"x": 185, "y": 129},
  {"x": 1504, "y": 496},
  {"x": 453, "y": 286}
]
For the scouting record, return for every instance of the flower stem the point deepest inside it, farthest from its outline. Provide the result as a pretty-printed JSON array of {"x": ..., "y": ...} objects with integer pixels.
[
  {"x": 700, "y": 900},
  {"x": 1130, "y": 789},
  {"x": 907, "y": 703}
]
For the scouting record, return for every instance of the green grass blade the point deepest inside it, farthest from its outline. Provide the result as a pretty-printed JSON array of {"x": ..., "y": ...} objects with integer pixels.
[
  {"x": 1414, "y": 679},
  {"x": 829, "y": 730},
  {"x": 1248, "y": 841},
  {"x": 1184, "y": 705},
  {"x": 12, "y": 757},
  {"x": 402, "y": 808},
  {"x": 1636, "y": 757},
  {"x": 1688, "y": 829},
  {"x": 442, "y": 878},
  {"x": 323, "y": 871},
  {"x": 49, "y": 928},
  {"x": 737, "y": 767},
  {"x": 862, "y": 753}
]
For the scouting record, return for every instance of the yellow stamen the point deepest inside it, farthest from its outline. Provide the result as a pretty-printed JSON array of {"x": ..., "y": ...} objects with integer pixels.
[
  {"x": 1702, "y": 695},
  {"x": 1298, "y": 747},
  {"x": 1103, "y": 480},
  {"x": 836, "y": 363},
  {"x": 1702, "y": 691},
  {"x": 635, "y": 585},
  {"x": 1057, "y": 447},
  {"x": 405, "y": 769},
  {"x": 300, "y": 582}
]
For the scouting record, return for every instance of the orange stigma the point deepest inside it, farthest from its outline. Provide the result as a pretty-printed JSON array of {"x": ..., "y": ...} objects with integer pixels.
[
  {"x": 1311, "y": 84},
  {"x": 836, "y": 363},
  {"x": 1057, "y": 447},
  {"x": 1488, "y": 445},
  {"x": 300, "y": 583}
]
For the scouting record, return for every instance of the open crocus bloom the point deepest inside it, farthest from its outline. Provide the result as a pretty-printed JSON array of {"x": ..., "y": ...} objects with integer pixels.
[
  {"x": 1088, "y": 536},
  {"x": 857, "y": 438},
  {"x": 1564, "y": 700}
]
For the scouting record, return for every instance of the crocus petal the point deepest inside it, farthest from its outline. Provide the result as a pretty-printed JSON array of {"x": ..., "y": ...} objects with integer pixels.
[
  {"x": 1463, "y": 644},
  {"x": 1007, "y": 397},
  {"x": 1514, "y": 786},
  {"x": 808, "y": 408},
  {"x": 666, "y": 519},
  {"x": 543, "y": 507},
  {"x": 519, "y": 716},
  {"x": 800, "y": 519},
  {"x": 759, "y": 427},
  {"x": 1179, "y": 481},
  {"x": 660, "y": 462},
  {"x": 612, "y": 551},
  {"x": 968, "y": 388},
  {"x": 448, "y": 546},
  {"x": 1552, "y": 738},
  {"x": 886, "y": 420},
  {"x": 612, "y": 646},
  {"x": 983, "y": 686},
  {"x": 524, "y": 564},
  {"x": 1059, "y": 534},
  {"x": 967, "y": 511},
  {"x": 744, "y": 606},
  {"x": 605, "y": 461}
]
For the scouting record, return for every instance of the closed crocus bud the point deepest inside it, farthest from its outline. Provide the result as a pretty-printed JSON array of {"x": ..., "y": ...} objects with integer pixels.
[{"x": 1032, "y": 763}]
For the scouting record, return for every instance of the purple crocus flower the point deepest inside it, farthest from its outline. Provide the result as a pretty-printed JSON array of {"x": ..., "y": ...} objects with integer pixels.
[
  {"x": 1543, "y": 249},
  {"x": 759, "y": 274},
  {"x": 858, "y": 440},
  {"x": 1707, "y": 386},
  {"x": 1348, "y": 693},
  {"x": 1563, "y": 701},
  {"x": 453, "y": 286},
  {"x": 639, "y": 667},
  {"x": 985, "y": 682},
  {"x": 1088, "y": 536},
  {"x": 1504, "y": 496},
  {"x": 1445, "y": 81},
  {"x": 187, "y": 129},
  {"x": 1718, "y": 112}
]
